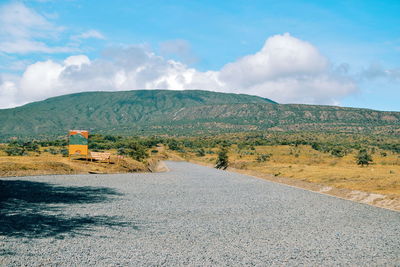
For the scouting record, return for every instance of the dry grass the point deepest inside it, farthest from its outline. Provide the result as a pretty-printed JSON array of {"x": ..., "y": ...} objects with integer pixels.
[
  {"x": 46, "y": 163},
  {"x": 306, "y": 164},
  {"x": 377, "y": 184}
]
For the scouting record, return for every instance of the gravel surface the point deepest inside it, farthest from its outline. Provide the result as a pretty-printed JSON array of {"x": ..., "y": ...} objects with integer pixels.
[{"x": 192, "y": 215}]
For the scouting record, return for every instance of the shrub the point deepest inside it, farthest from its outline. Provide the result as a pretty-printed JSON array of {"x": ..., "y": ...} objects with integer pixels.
[
  {"x": 110, "y": 138},
  {"x": 28, "y": 146},
  {"x": 241, "y": 146},
  {"x": 263, "y": 157},
  {"x": 15, "y": 151},
  {"x": 200, "y": 152},
  {"x": 174, "y": 145},
  {"x": 222, "y": 160},
  {"x": 134, "y": 150},
  {"x": 64, "y": 152},
  {"x": 338, "y": 152},
  {"x": 121, "y": 151},
  {"x": 363, "y": 158},
  {"x": 53, "y": 151}
]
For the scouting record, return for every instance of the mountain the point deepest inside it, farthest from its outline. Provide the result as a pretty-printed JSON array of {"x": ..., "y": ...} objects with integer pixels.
[{"x": 191, "y": 112}]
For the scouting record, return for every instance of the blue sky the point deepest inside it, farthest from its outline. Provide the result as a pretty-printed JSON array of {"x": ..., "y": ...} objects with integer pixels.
[{"x": 343, "y": 52}]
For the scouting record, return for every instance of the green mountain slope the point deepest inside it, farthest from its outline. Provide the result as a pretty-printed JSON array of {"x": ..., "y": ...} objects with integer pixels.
[{"x": 183, "y": 113}]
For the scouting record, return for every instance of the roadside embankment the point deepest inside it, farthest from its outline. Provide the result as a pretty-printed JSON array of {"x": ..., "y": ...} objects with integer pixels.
[{"x": 56, "y": 164}]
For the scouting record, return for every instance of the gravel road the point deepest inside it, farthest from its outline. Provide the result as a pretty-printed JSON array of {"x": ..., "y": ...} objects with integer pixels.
[{"x": 192, "y": 215}]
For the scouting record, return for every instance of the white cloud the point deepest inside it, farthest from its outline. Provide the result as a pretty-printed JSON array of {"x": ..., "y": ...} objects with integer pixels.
[
  {"x": 376, "y": 71},
  {"x": 28, "y": 46},
  {"x": 19, "y": 21},
  {"x": 286, "y": 70},
  {"x": 179, "y": 48},
  {"x": 88, "y": 34},
  {"x": 40, "y": 80},
  {"x": 77, "y": 61},
  {"x": 8, "y": 91},
  {"x": 23, "y": 30},
  {"x": 281, "y": 56}
]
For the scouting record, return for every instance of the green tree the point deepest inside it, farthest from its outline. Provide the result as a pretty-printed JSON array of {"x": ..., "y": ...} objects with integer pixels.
[
  {"x": 174, "y": 145},
  {"x": 363, "y": 157},
  {"x": 134, "y": 150},
  {"x": 222, "y": 160}
]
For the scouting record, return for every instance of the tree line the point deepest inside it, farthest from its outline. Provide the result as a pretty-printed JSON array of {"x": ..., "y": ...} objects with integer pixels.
[{"x": 137, "y": 147}]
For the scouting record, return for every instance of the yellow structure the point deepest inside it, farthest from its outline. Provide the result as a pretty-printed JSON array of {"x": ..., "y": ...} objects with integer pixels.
[{"x": 78, "y": 142}]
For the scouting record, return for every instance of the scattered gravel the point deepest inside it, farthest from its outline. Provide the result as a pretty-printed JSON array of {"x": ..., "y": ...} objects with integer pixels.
[{"x": 192, "y": 215}]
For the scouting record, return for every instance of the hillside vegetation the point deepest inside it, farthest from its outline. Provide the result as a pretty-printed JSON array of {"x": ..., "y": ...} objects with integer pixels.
[{"x": 192, "y": 112}]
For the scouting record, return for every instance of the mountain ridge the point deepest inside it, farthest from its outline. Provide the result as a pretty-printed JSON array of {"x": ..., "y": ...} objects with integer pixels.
[{"x": 185, "y": 112}]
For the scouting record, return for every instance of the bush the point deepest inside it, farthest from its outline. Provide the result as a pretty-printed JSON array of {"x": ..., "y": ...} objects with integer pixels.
[
  {"x": 174, "y": 145},
  {"x": 53, "y": 151},
  {"x": 200, "y": 152},
  {"x": 134, "y": 150},
  {"x": 241, "y": 146},
  {"x": 338, "y": 152},
  {"x": 222, "y": 160},
  {"x": 18, "y": 148},
  {"x": 263, "y": 157},
  {"x": 363, "y": 158},
  {"x": 64, "y": 152},
  {"x": 121, "y": 151},
  {"x": 15, "y": 151}
]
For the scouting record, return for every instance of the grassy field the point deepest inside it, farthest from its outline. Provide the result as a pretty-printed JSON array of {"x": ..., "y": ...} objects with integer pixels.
[
  {"x": 46, "y": 163},
  {"x": 306, "y": 164}
]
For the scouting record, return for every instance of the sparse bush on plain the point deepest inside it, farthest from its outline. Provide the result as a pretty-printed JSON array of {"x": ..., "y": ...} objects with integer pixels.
[
  {"x": 64, "y": 152},
  {"x": 222, "y": 160},
  {"x": 263, "y": 157},
  {"x": 18, "y": 148},
  {"x": 338, "y": 152},
  {"x": 363, "y": 158},
  {"x": 200, "y": 152},
  {"x": 53, "y": 151},
  {"x": 15, "y": 151}
]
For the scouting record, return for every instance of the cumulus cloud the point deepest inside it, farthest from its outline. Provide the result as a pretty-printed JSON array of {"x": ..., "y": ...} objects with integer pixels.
[
  {"x": 286, "y": 69},
  {"x": 9, "y": 90},
  {"x": 281, "y": 56}
]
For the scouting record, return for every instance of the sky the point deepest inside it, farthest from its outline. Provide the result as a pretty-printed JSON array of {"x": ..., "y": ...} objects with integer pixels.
[{"x": 344, "y": 53}]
